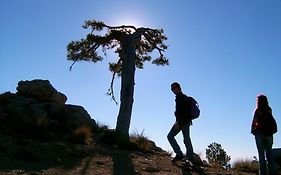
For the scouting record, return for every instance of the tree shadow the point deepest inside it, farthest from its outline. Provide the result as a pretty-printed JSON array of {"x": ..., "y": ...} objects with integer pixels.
[
  {"x": 122, "y": 163},
  {"x": 86, "y": 165}
]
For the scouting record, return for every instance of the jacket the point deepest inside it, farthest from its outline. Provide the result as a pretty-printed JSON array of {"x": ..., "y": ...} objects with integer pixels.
[
  {"x": 182, "y": 112},
  {"x": 263, "y": 123}
]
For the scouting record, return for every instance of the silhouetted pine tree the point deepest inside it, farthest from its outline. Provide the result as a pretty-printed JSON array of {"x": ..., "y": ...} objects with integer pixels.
[
  {"x": 133, "y": 46},
  {"x": 215, "y": 154}
]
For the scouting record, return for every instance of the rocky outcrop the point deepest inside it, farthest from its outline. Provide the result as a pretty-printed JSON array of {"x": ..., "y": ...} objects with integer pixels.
[
  {"x": 38, "y": 111},
  {"x": 37, "y": 126}
]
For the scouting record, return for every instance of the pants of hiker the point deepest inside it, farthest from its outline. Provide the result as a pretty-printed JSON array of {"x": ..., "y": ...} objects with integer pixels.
[
  {"x": 264, "y": 146},
  {"x": 186, "y": 139}
]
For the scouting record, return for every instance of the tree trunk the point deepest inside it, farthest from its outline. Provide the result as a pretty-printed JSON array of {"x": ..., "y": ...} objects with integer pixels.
[{"x": 127, "y": 85}]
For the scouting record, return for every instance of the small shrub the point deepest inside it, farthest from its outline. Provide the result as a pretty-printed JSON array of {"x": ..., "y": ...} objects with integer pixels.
[{"x": 215, "y": 154}]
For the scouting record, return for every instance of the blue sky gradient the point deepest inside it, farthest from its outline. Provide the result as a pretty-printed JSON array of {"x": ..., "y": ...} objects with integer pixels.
[{"x": 223, "y": 52}]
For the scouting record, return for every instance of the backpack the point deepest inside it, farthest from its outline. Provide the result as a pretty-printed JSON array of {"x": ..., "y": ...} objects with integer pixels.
[
  {"x": 269, "y": 125},
  {"x": 194, "y": 109}
]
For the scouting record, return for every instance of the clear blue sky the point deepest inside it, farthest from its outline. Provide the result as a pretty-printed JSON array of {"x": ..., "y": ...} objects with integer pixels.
[{"x": 223, "y": 53}]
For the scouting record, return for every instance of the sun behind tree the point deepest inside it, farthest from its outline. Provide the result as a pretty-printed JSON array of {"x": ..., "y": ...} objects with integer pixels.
[{"x": 133, "y": 46}]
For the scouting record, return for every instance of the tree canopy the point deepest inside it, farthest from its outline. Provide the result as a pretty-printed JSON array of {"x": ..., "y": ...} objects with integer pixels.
[{"x": 87, "y": 49}]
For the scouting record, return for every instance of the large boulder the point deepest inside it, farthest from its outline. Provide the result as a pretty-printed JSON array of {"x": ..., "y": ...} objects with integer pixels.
[{"x": 40, "y": 90}]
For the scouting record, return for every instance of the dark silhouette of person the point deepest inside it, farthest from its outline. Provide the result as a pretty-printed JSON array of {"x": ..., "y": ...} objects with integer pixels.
[
  {"x": 183, "y": 122},
  {"x": 263, "y": 128}
]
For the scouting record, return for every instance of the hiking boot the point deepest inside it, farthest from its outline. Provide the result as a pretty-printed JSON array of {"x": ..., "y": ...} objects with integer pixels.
[
  {"x": 189, "y": 163},
  {"x": 177, "y": 157}
]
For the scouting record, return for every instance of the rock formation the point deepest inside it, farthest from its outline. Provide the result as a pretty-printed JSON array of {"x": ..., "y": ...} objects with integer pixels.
[
  {"x": 38, "y": 111},
  {"x": 36, "y": 124}
]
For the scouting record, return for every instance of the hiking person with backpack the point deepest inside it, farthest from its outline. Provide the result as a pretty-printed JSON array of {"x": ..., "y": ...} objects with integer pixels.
[
  {"x": 263, "y": 128},
  {"x": 183, "y": 114}
]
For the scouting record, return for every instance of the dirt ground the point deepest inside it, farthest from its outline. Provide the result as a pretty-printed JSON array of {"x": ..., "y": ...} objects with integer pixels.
[{"x": 105, "y": 161}]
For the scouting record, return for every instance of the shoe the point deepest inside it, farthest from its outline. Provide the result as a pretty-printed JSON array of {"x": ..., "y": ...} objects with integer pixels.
[
  {"x": 189, "y": 163},
  {"x": 177, "y": 158}
]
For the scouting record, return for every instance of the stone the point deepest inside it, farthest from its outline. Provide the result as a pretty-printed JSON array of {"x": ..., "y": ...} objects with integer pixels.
[{"x": 40, "y": 90}]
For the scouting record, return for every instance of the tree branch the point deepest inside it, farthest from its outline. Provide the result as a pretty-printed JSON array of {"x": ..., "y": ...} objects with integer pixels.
[
  {"x": 70, "y": 68},
  {"x": 121, "y": 27},
  {"x": 111, "y": 88}
]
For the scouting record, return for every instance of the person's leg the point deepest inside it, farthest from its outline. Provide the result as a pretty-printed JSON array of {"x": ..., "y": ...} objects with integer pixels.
[
  {"x": 171, "y": 138},
  {"x": 261, "y": 151},
  {"x": 187, "y": 142},
  {"x": 269, "y": 156}
]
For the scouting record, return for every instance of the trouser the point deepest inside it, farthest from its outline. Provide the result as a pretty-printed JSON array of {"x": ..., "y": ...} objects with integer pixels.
[
  {"x": 264, "y": 146},
  {"x": 186, "y": 139}
]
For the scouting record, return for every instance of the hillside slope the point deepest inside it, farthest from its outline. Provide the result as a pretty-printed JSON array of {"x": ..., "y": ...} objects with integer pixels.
[{"x": 41, "y": 135}]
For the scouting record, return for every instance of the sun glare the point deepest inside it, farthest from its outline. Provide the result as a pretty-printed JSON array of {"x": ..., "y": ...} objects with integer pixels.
[{"x": 128, "y": 20}]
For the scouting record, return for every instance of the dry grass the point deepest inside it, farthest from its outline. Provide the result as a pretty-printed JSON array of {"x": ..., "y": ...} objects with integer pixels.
[
  {"x": 141, "y": 142},
  {"x": 246, "y": 165},
  {"x": 83, "y": 135}
]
